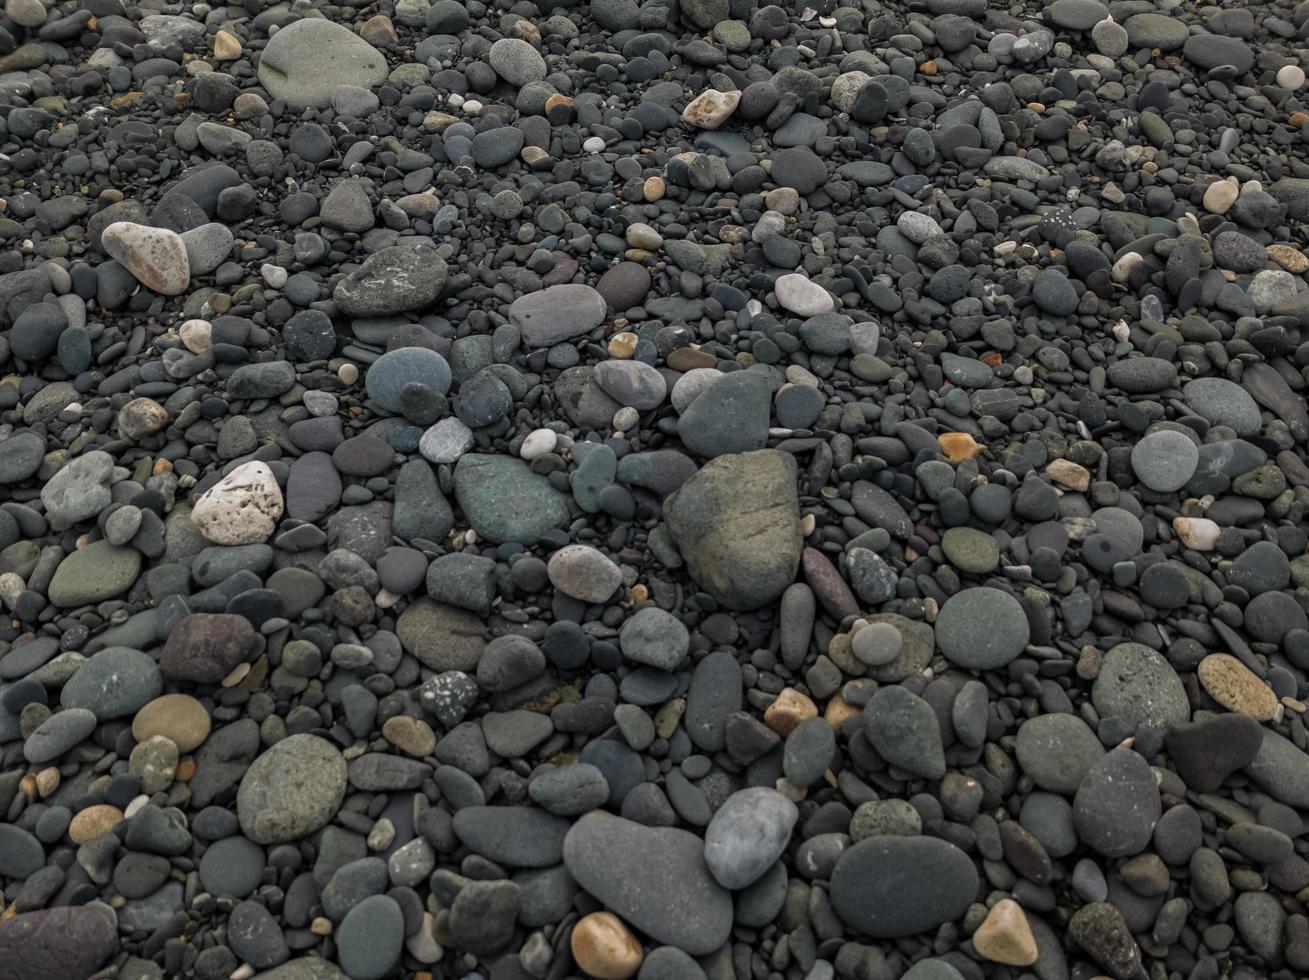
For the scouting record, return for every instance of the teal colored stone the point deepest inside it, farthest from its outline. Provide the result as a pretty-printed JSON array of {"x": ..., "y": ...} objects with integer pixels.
[
  {"x": 597, "y": 471},
  {"x": 505, "y": 501}
]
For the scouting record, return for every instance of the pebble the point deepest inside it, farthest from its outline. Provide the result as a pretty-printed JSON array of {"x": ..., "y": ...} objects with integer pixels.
[
  {"x": 643, "y": 478},
  {"x": 291, "y": 790},
  {"x": 747, "y": 835},
  {"x": 887, "y": 887},
  {"x": 241, "y": 508}
]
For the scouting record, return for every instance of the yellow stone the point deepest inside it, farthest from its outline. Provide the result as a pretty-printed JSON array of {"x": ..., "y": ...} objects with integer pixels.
[
  {"x": 90, "y": 823},
  {"x": 1236, "y": 687},
  {"x": 839, "y": 711},
  {"x": 1289, "y": 258},
  {"x": 605, "y": 948},
  {"x": 178, "y": 717},
  {"x": 958, "y": 446},
  {"x": 412, "y": 735},
  {"x": 1005, "y": 936},
  {"x": 226, "y": 47},
  {"x": 788, "y": 709},
  {"x": 622, "y": 345},
  {"x": 1069, "y": 474}
]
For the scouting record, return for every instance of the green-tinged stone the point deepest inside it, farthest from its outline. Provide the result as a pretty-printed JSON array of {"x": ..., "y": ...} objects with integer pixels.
[
  {"x": 97, "y": 572},
  {"x": 505, "y": 501}
]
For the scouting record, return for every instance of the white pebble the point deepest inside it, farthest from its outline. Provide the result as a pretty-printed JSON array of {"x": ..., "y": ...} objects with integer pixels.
[
  {"x": 626, "y": 418},
  {"x": 1290, "y": 77},
  {"x": 593, "y": 144},
  {"x": 472, "y": 107},
  {"x": 274, "y": 275},
  {"x": 538, "y": 443}
]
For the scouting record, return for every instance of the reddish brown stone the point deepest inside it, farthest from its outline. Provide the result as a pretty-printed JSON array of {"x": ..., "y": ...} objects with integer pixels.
[{"x": 205, "y": 647}]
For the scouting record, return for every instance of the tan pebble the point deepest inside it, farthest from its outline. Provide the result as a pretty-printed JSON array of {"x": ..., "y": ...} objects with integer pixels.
[
  {"x": 161, "y": 467},
  {"x": 321, "y": 926},
  {"x": 807, "y": 524},
  {"x": 622, "y": 345},
  {"x": 1289, "y": 258},
  {"x": 1005, "y": 936},
  {"x": 710, "y": 109},
  {"x": 378, "y": 29},
  {"x": 27, "y": 786},
  {"x": 1233, "y": 685},
  {"x": 605, "y": 948},
  {"x": 47, "y": 781},
  {"x": 839, "y": 711},
  {"x": 1069, "y": 474},
  {"x": 788, "y": 709},
  {"x": 653, "y": 188},
  {"x": 226, "y": 47},
  {"x": 178, "y": 717},
  {"x": 185, "y": 770},
  {"x": 412, "y": 735},
  {"x": 237, "y": 675},
  {"x": 958, "y": 446},
  {"x": 347, "y": 374},
  {"x": 1221, "y": 195},
  {"x": 90, "y": 823},
  {"x": 134, "y": 805},
  {"x": 557, "y": 100}
]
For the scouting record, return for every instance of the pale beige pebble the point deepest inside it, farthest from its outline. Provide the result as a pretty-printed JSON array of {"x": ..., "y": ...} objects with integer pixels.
[
  {"x": 134, "y": 805},
  {"x": 593, "y": 144},
  {"x": 604, "y": 948},
  {"x": 422, "y": 944},
  {"x": 1288, "y": 257},
  {"x": 1197, "y": 533},
  {"x": 710, "y": 109},
  {"x": 412, "y": 735},
  {"x": 241, "y": 508},
  {"x": 226, "y": 46},
  {"x": 538, "y": 443},
  {"x": 653, "y": 189},
  {"x": 798, "y": 375},
  {"x": 154, "y": 761},
  {"x": 641, "y": 235},
  {"x": 1236, "y": 687},
  {"x": 243, "y": 972},
  {"x": 320, "y": 925},
  {"x": 788, "y": 709},
  {"x": 1122, "y": 269},
  {"x": 1069, "y": 474},
  {"x": 1005, "y": 936},
  {"x": 90, "y": 823},
  {"x": 807, "y": 524},
  {"x": 382, "y": 835},
  {"x": 156, "y": 257},
  {"x": 238, "y": 674},
  {"x": 47, "y": 781},
  {"x": 783, "y": 200},
  {"x": 141, "y": 417},
  {"x": 1290, "y": 77},
  {"x": 626, "y": 418},
  {"x": 26, "y": 13},
  {"x": 472, "y": 107},
  {"x": 622, "y": 345},
  {"x": 11, "y": 587},
  {"x": 347, "y": 373},
  {"x": 846, "y": 88},
  {"x": 1221, "y": 195},
  {"x": 799, "y": 294},
  {"x": 385, "y": 599},
  {"x": 197, "y": 336},
  {"x": 178, "y": 717}
]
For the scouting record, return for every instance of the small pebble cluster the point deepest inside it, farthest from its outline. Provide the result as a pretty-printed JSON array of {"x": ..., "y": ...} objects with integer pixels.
[{"x": 657, "y": 489}]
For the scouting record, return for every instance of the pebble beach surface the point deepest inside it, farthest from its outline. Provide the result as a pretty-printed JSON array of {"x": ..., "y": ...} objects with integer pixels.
[{"x": 672, "y": 489}]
